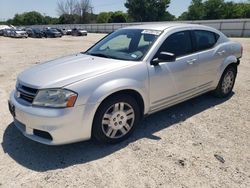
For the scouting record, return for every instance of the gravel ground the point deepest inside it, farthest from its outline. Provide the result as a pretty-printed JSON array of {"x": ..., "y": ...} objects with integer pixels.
[{"x": 204, "y": 142}]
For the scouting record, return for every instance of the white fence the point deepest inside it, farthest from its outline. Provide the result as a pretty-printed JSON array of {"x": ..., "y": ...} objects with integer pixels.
[{"x": 232, "y": 27}]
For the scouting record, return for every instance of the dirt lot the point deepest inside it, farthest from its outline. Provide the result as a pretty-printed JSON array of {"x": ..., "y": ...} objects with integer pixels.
[{"x": 173, "y": 148}]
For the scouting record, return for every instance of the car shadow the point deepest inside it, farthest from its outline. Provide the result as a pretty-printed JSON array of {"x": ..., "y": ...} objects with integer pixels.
[{"x": 41, "y": 158}]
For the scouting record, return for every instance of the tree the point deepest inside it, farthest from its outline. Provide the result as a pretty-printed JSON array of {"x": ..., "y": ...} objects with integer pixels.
[
  {"x": 229, "y": 10},
  {"x": 50, "y": 20},
  {"x": 112, "y": 17},
  {"x": 195, "y": 11},
  {"x": 214, "y": 9},
  {"x": 82, "y": 8},
  {"x": 27, "y": 18},
  {"x": 103, "y": 17},
  {"x": 68, "y": 19},
  {"x": 147, "y": 10},
  {"x": 242, "y": 10},
  {"x": 66, "y": 7},
  {"x": 118, "y": 17}
]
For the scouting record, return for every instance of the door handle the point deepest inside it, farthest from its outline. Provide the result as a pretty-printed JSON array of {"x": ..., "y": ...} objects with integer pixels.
[
  {"x": 221, "y": 52},
  {"x": 191, "y": 62}
]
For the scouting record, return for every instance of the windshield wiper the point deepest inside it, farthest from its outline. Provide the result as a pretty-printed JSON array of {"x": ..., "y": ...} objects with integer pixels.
[{"x": 99, "y": 55}]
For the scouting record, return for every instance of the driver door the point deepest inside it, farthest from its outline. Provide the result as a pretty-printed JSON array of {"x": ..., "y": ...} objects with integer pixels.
[{"x": 171, "y": 82}]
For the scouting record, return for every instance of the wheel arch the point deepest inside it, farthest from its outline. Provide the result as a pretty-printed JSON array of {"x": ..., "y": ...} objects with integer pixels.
[
  {"x": 130, "y": 87},
  {"x": 130, "y": 92},
  {"x": 229, "y": 61}
]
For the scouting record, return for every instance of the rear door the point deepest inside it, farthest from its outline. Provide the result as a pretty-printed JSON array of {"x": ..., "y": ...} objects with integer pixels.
[{"x": 209, "y": 54}]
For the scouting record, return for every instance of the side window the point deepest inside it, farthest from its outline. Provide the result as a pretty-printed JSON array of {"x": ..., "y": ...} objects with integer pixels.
[
  {"x": 205, "y": 39},
  {"x": 178, "y": 43}
]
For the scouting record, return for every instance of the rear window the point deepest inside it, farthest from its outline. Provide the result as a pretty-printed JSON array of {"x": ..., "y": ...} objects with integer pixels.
[{"x": 205, "y": 39}]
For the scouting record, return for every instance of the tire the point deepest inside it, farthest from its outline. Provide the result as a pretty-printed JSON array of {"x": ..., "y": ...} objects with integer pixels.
[
  {"x": 116, "y": 119},
  {"x": 226, "y": 83}
]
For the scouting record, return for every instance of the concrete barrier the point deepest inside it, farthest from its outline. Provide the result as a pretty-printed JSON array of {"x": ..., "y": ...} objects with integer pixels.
[{"x": 231, "y": 27}]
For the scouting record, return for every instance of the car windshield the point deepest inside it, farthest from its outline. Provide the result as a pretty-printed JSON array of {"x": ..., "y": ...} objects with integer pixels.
[
  {"x": 53, "y": 30},
  {"x": 125, "y": 44}
]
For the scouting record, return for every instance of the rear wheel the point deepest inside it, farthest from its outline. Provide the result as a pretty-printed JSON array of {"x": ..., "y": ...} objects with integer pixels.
[
  {"x": 226, "y": 83},
  {"x": 116, "y": 119}
]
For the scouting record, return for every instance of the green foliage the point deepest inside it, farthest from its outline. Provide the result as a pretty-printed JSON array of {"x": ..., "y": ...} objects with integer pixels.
[
  {"x": 68, "y": 19},
  {"x": 148, "y": 10},
  {"x": 195, "y": 11},
  {"x": 242, "y": 10},
  {"x": 213, "y": 9},
  {"x": 118, "y": 17},
  {"x": 103, "y": 17},
  {"x": 216, "y": 9},
  {"x": 112, "y": 17},
  {"x": 50, "y": 20},
  {"x": 31, "y": 18}
]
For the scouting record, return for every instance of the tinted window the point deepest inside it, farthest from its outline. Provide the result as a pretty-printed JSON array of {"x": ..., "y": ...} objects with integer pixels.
[
  {"x": 205, "y": 39},
  {"x": 178, "y": 43}
]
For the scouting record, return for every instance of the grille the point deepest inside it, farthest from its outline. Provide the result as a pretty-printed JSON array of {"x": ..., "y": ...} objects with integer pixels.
[{"x": 26, "y": 93}]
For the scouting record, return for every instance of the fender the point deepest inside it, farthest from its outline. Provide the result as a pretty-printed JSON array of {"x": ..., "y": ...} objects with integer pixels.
[
  {"x": 227, "y": 61},
  {"x": 113, "y": 86}
]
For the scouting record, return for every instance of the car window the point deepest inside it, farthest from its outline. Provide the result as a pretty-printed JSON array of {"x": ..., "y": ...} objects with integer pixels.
[
  {"x": 205, "y": 39},
  {"x": 125, "y": 44},
  {"x": 178, "y": 43}
]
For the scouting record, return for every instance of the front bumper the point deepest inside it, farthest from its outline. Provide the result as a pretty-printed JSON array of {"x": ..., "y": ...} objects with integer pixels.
[{"x": 66, "y": 125}]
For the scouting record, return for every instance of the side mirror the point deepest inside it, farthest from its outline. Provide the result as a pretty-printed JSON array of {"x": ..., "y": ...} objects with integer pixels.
[{"x": 163, "y": 57}]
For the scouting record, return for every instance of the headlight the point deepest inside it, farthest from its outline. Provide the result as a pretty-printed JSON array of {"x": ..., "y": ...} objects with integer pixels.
[{"x": 56, "y": 98}]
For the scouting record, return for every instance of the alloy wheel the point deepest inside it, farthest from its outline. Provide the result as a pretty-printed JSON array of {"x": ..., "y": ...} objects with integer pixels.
[{"x": 118, "y": 120}]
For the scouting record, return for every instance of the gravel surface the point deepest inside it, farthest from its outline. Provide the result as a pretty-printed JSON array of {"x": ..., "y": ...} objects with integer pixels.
[{"x": 204, "y": 142}]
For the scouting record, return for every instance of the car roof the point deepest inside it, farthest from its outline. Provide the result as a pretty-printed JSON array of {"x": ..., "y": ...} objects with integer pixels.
[{"x": 164, "y": 26}]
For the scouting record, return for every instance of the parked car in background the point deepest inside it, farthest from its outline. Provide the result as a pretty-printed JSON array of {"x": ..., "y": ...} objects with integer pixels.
[
  {"x": 34, "y": 32},
  {"x": 1, "y": 32},
  {"x": 51, "y": 33},
  {"x": 18, "y": 33},
  {"x": 68, "y": 31},
  {"x": 3, "y": 27},
  {"x": 62, "y": 31},
  {"x": 7, "y": 32},
  {"x": 79, "y": 32},
  {"x": 133, "y": 72}
]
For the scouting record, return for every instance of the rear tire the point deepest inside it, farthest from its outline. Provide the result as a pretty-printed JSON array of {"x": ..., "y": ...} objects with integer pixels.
[
  {"x": 226, "y": 84},
  {"x": 116, "y": 119}
]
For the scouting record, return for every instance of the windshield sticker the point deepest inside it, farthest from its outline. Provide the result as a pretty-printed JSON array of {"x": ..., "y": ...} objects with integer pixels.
[
  {"x": 133, "y": 55},
  {"x": 152, "y": 32}
]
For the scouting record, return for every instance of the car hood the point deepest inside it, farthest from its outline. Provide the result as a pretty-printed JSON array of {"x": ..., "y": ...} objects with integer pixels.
[{"x": 67, "y": 70}]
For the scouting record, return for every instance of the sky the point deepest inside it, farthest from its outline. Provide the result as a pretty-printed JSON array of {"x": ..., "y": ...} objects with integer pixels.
[{"x": 8, "y": 8}]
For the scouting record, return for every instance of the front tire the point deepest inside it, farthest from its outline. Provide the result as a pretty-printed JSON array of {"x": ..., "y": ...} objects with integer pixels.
[
  {"x": 226, "y": 84},
  {"x": 116, "y": 119}
]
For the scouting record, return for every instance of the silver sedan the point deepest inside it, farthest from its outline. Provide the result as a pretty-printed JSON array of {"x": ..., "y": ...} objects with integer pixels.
[{"x": 104, "y": 92}]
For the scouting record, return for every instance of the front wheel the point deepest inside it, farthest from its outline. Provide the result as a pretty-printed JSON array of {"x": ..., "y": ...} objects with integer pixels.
[
  {"x": 116, "y": 119},
  {"x": 226, "y": 83}
]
